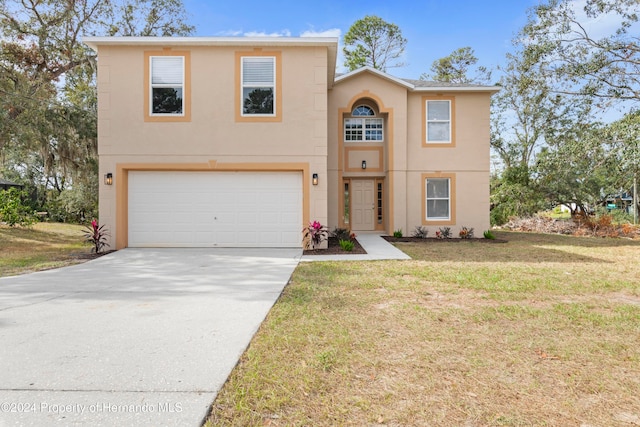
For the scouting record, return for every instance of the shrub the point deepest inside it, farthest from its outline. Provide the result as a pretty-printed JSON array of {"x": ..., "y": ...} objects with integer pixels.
[
  {"x": 443, "y": 233},
  {"x": 13, "y": 209},
  {"x": 621, "y": 217},
  {"x": 341, "y": 233},
  {"x": 629, "y": 230},
  {"x": 96, "y": 235},
  {"x": 397, "y": 233},
  {"x": 313, "y": 235},
  {"x": 488, "y": 235},
  {"x": 420, "y": 232},
  {"x": 346, "y": 245},
  {"x": 466, "y": 233}
]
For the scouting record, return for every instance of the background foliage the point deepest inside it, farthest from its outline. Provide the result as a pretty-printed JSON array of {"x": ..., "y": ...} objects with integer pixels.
[{"x": 48, "y": 103}]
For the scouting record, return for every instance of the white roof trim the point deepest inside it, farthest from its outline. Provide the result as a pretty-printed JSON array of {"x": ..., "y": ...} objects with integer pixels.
[
  {"x": 94, "y": 42},
  {"x": 492, "y": 89},
  {"x": 377, "y": 72},
  {"x": 415, "y": 88}
]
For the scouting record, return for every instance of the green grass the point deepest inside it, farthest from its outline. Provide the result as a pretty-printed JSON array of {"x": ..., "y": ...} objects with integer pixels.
[
  {"x": 40, "y": 247},
  {"x": 542, "y": 330}
]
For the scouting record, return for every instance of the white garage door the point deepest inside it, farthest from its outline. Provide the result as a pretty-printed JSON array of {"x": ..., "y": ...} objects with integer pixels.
[{"x": 209, "y": 209}]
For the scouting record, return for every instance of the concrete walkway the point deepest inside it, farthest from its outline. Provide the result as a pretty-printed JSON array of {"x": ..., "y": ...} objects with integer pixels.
[
  {"x": 140, "y": 337},
  {"x": 377, "y": 249}
]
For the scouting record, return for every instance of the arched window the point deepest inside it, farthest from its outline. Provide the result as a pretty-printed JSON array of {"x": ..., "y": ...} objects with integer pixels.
[
  {"x": 363, "y": 110},
  {"x": 363, "y": 129}
]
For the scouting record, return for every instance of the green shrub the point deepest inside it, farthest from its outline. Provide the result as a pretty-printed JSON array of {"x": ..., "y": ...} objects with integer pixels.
[
  {"x": 341, "y": 233},
  {"x": 489, "y": 235},
  {"x": 347, "y": 245},
  {"x": 13, "y": 209},
  {"x": 420, "y": 232},
  {"x": 397, "y": 233}
]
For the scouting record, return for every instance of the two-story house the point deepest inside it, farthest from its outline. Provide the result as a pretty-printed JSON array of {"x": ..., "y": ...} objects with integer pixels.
[{"x": 208, "y": 141}]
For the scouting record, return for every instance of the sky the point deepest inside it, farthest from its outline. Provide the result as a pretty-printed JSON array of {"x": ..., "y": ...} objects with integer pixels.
[{"x": 433, "y": 28}]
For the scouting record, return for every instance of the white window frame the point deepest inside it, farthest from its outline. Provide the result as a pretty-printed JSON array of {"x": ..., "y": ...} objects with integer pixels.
[
  {"x": 153, "y": 86},
  {"x": 427, "y": 199},
  {"x": 271, "y": 85},
  {"x": 362, "y": 121},
  {"x": 434, "y": 121}
]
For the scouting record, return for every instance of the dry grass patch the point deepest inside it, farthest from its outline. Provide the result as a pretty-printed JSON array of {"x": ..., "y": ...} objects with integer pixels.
[
  {"x": 40, "y": 247},
  {"x": 541, "y": 331}
]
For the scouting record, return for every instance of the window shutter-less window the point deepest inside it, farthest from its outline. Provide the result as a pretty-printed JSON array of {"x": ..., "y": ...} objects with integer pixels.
[
  {"x": 166, "y": 70},
  {"x": 259, "y": 71}
]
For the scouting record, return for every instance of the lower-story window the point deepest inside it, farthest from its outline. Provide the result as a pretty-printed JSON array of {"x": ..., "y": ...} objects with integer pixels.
[
  {"x": 439, "y": 199},
  {"x": 438, "y": 193}
]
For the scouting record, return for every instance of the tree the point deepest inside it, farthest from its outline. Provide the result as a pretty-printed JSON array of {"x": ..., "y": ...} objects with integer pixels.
[
  {"x": 526, "y": 118},
  {"x": 579, "y": 168},
  {"x": 149, "y": 18},
  {"x": 373, "y": 42},
  {"x": 625, "y": 135},
  {"x": 48, "y": 106},
  {"x": 455, "y": 68},
  {"x": 526, "y": 114},
  {"x": 579, "y": 60}
]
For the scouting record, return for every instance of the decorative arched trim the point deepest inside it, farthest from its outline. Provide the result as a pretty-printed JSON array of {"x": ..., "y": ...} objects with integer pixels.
[{"x": 388, "y": 166}]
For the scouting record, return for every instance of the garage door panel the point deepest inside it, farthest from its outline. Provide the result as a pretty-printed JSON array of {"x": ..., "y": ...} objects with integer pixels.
[{"x": 215, "y": 209}]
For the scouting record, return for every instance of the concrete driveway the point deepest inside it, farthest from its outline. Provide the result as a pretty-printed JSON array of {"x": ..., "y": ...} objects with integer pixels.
[{"x": 137, "y": 337}]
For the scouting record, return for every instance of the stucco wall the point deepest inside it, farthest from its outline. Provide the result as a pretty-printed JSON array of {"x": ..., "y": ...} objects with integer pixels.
[
  {"x": 408, "y": 159},
  {"x": 212, "y": 134},
  {"x": 468, "y": 159}
]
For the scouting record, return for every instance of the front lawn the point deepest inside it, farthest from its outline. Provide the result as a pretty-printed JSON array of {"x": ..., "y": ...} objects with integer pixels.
[
  {"x": 541, "y": 331},
  {"x": 40, "y": 247}
]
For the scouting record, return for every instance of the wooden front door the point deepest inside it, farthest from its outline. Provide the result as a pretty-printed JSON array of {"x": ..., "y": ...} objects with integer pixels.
[{"x": 363, "y": 204}]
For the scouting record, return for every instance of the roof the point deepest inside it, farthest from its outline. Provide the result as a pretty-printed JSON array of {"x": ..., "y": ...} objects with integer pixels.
[
  {"x": 420, "y": 85},
  {"x": 331, "y": 43}
]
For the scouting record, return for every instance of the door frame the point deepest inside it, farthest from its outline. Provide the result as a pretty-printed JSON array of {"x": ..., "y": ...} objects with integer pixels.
[{"x": 381, "y": 212}]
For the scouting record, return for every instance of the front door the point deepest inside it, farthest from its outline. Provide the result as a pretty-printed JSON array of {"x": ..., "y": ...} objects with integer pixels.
[{"x": 363, "y": 204}]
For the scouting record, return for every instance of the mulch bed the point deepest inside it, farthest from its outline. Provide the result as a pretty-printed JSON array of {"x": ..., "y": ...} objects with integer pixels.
[
  {"x": 91, "y": 255},
  {"x": 335, "y": 249},
  {"x": 392, "y": 239}
]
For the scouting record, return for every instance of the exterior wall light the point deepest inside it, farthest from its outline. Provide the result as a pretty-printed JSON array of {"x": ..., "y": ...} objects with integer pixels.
[
  {"x": 108, "y": 179},
  {"x": 364, "y": 164},
  {"x": 315, "y": 179}
]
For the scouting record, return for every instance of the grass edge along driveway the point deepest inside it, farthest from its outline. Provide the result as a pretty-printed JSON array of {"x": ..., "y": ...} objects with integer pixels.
[{"x": 541, "y": 331}]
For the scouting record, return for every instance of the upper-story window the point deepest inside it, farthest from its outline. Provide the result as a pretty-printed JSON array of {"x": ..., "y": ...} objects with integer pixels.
[
  {"x": 363, "y": 126},
  {"x": 167, "y": 85},
  {"x": 438, "y": 121},
  {"x": 258, "y": 85}
]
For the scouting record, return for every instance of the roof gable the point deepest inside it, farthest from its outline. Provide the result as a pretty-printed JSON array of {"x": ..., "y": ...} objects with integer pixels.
[{"x": 418, "y": 85}]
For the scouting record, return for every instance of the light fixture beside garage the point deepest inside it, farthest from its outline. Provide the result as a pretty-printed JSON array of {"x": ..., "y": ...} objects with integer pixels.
[
  {"x": 315, "y": 179},
  {"x": 364, "y": 164},
  {"x": 108, "y": 179}
]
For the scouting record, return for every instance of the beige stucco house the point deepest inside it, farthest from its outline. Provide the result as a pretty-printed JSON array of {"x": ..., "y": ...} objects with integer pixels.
[{"x": 243, "y": 141}]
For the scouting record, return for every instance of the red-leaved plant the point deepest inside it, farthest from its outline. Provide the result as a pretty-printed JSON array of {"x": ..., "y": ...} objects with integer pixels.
[
  {"x": 314, "y": 234},
  {"x": 96, "y": 235}
]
